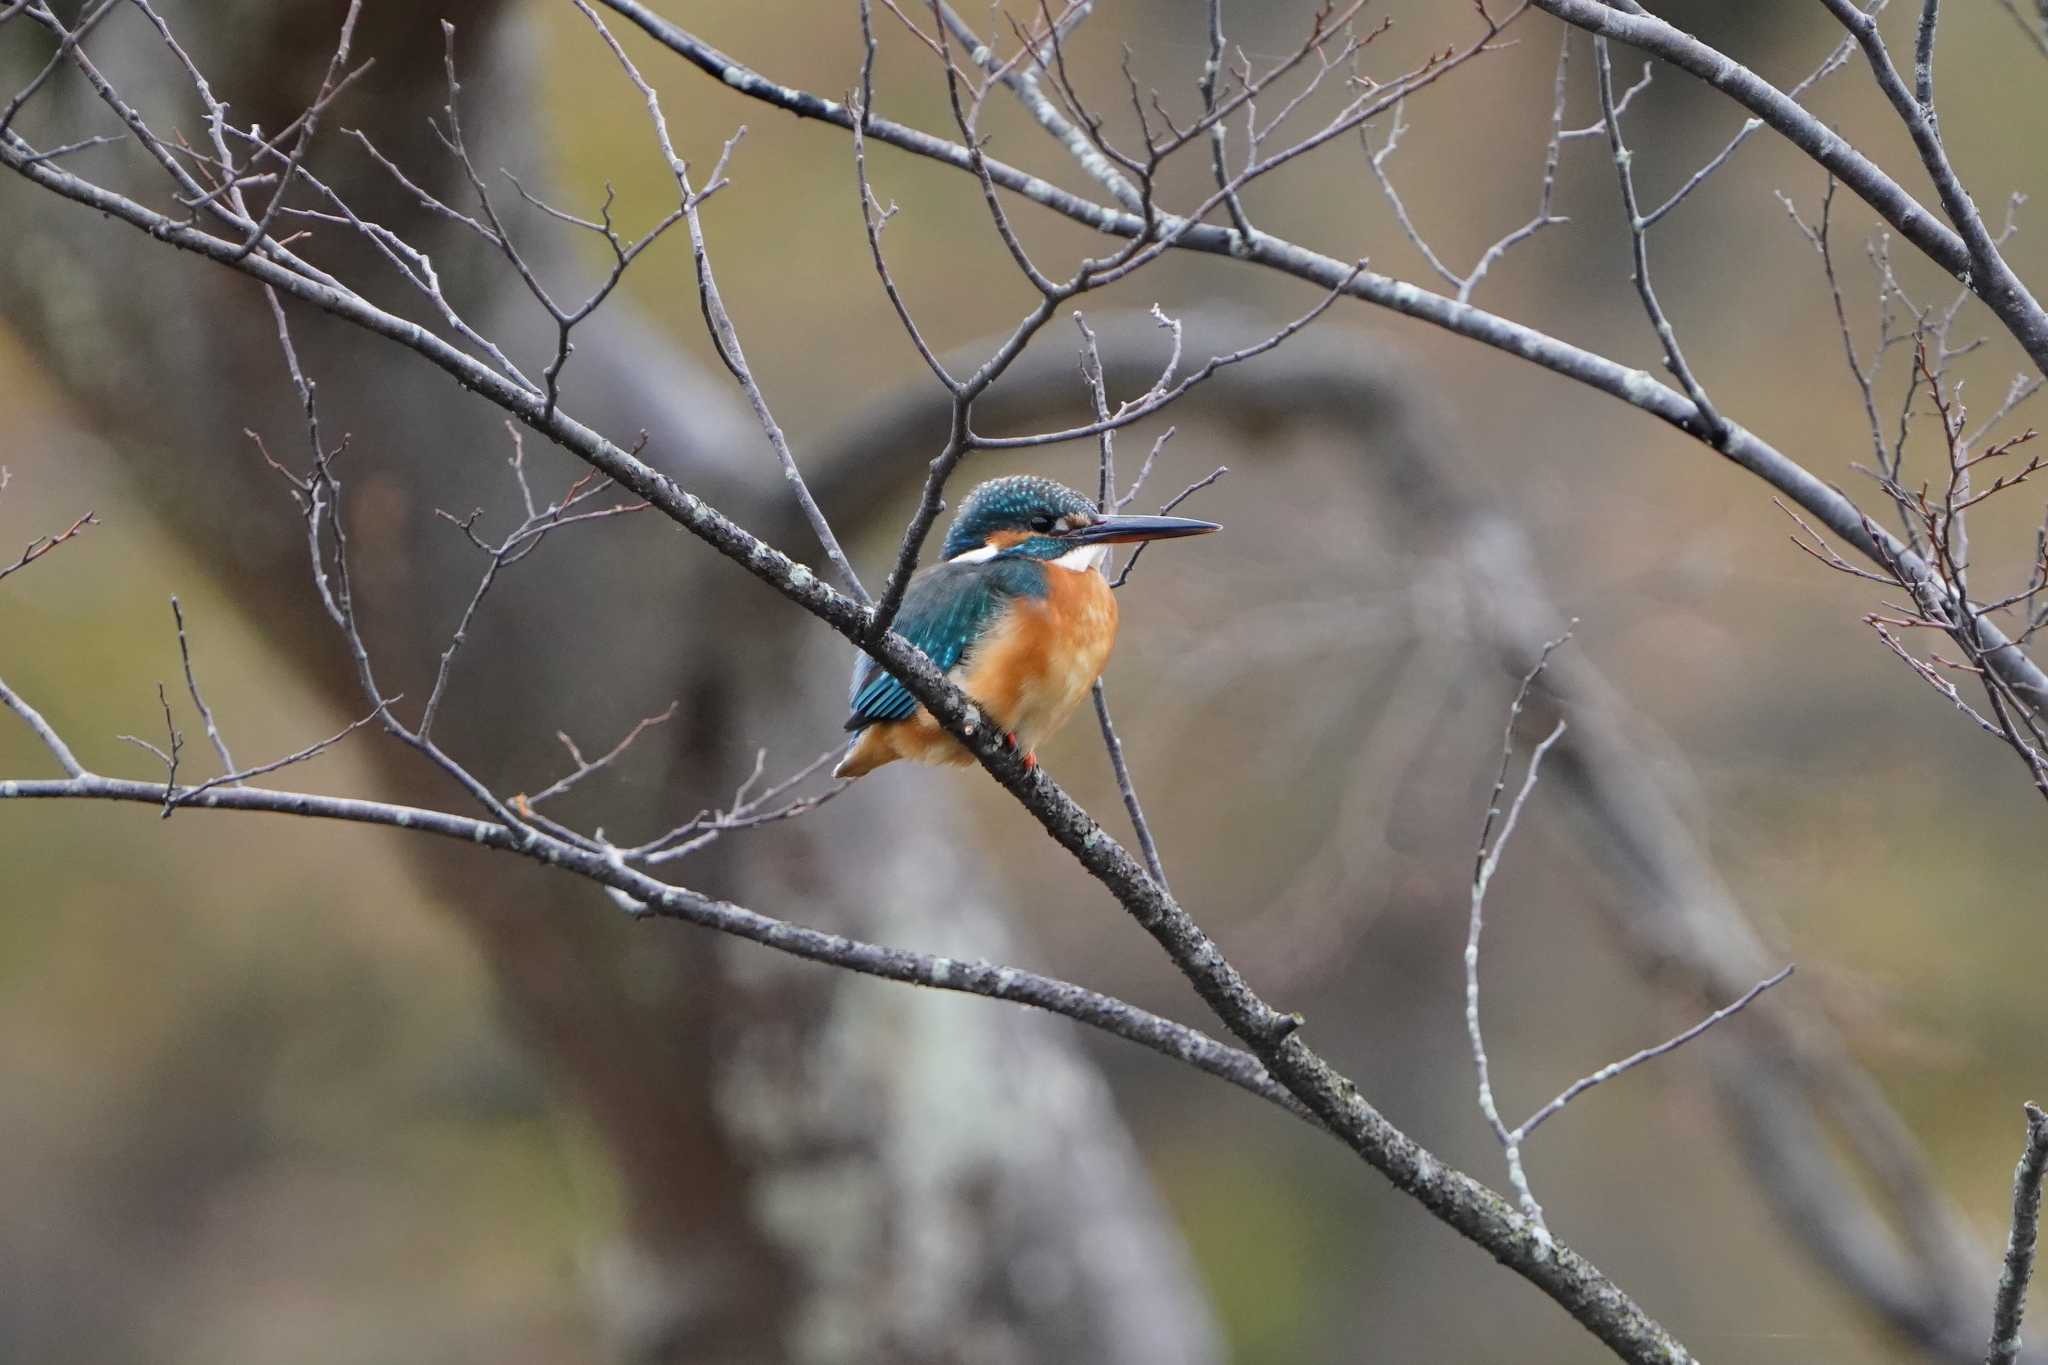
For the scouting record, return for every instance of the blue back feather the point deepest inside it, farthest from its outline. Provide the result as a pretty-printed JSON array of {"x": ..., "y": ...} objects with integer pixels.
[{"x": 946, "y": 612}]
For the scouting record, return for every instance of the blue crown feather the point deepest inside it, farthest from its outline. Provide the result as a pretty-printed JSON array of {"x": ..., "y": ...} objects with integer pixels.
[{"x": 1008, "y": 505}]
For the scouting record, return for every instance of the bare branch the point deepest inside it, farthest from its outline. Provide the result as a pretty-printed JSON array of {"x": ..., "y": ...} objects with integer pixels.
[
  {"x": 1988, "y": 276},
  {"x": 82, "y": 144},
  {"x": 523, "y": 540},
  {"x": 1465, "y": 284},
  {"x": 585, "y": 767},
  {"x": 42, "y": 545},
  {"x": 1091, "y": 1008},
  {"x": 220, "y": 745},
  {"x": 723, "y": 334},
  {"x": 1486, "y": 863},
  {"x": 1145, "y": 470},
  {"x": 169, "y": 758},
  {"x": 67, "y": 39},
  {"x": 1022, "y": 80},
  {"x": 2019, "y": 1246},
  {"x": 42, "y": 730},
  {"x": 1888, "y": 464},
  {"x": 873, "y": 216},
  {"x": 1636, "y": 1059},
  {"x": 746, "y": 810},
  {"x": 1126, "y": 788},
  {"x": 236, "y": 777},
  {"x": 1450, "y": 1195},
  {"x": 1164, "y": 393},
  {"x": 1674, "y": 358},
  {"x": 308, "y": 123},
  {"x": 1965, "y": 250},
  {"x": 1176, "y": 500},
  {"x": 1219, "y": 129},
  {"x": 1825, "y": 502},
  {"x": 1834, "y": 62},
  {"x": 1271, "y": 1033},
  {"x": 1923, "y": 58}
]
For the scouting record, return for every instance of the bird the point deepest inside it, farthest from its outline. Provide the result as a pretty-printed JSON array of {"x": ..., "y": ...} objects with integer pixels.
[{"x": 1019, "y": 616}]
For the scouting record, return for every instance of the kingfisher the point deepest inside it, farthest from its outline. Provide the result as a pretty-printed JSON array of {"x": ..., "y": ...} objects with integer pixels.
[{"x": 1019, "y": 616}]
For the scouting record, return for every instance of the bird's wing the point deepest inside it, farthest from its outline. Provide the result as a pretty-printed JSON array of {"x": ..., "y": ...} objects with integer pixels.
[{"x": 947, "y": 609}]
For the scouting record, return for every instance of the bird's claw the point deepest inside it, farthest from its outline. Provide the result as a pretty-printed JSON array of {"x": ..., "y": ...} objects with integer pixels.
[{"x": 1011, "y": 746}]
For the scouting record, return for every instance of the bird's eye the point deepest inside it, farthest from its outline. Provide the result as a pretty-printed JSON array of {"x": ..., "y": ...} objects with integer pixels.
[{"x": 1041, "y": 523}]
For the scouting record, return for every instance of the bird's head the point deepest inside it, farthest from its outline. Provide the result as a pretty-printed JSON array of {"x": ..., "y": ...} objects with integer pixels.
[{"x": 1036, "y": 518}]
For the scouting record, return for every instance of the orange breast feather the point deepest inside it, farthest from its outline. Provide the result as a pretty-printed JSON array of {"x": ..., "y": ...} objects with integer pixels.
[{"x": 1034, "y": 668}]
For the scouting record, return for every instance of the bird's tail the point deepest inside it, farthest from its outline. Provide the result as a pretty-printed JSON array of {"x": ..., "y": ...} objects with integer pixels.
[{"x": 868, "y": 752}]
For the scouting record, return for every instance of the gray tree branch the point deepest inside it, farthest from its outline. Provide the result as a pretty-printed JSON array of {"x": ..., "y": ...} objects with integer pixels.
[
  {"x": 1272, "y": 1035},
  {"x": 1826, "y": 503},
  {"x": 1794, "y": 1095},
  {"x": 2019, "y": 1247}
]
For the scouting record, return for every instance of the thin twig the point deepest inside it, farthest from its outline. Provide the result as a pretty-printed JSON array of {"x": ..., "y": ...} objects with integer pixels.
[
  {"x": 585, "y": 767},
  {"x": 1636, "y": 1059},
  {"x": 723, "y": 334},
  {"x": 1176, "y": 500},
  {"x": 169, "y": 759},
  {"x": 1488, "y": 861},
  {"x": 220, "y": 745},
  {"x": 308, "y": 124},
  {"x": 1834, "y": 62},
  {"x": 42, "y": 545},
  {"x": 874, "y": 217},
  {"x": 236, "y": 777},
  {"x": 747, "y": 809},
  {"x": 1126, "y": 788},
  {"x": 1674, "y": 359}
]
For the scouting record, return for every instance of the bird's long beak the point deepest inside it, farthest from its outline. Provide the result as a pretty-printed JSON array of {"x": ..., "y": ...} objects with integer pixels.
[{"x": 1120, "y": 530}]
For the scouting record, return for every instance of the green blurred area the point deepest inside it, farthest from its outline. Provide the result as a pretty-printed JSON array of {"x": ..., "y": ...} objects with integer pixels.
[
  {"x": 250, "y": 1066},
  {"x": 246, "y": 1067}
]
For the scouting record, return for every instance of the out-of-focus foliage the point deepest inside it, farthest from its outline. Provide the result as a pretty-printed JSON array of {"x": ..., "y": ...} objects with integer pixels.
[{"x": 253, "y": 1096}]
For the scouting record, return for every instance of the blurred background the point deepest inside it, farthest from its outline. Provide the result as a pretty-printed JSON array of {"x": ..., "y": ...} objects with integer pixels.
[{"x": 270, "y": 1088}]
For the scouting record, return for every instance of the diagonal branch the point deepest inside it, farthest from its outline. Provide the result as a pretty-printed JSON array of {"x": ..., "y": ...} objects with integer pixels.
[
  {"x": 723, "y": 334},
  {"x": 1832, "y": 508},
  {"x": 2019, "y": 1247},
  {"x": 661, "y": 900},
  {"x": 1651, "y": 1053},
  {"x": 1960, "y": 253},
  {"x": 1453, "y": 1197},
  {"x": 42, "y": 545}
]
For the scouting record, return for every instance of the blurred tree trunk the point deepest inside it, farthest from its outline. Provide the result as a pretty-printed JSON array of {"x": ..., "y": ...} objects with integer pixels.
[{"x": 816, "y": 1167}]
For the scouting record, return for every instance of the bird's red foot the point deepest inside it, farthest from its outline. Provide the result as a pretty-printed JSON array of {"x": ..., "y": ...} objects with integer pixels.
[
  {"x": 1031, "y": 762},
  {"x": 1030, "y": 759}
]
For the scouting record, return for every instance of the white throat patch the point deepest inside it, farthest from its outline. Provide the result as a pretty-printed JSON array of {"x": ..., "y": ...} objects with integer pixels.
[{"x": 1083, "y": 559}]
